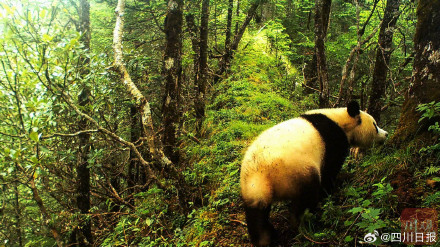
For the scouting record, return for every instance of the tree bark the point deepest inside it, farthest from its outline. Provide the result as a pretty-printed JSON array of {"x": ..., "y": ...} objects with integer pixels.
[
  {"x": 133, "y": 167},
  {"x": 18, "y": 225},
  {"x": 383, "y": 55},
  {"x": 229, "y": 26},
  {"x": 322, "y": 16},
  {"x": 237, "y": 14},
  {"x": 310, "y": 75},
  {"x": 425, "y": 82},
  {"x": 202, "y": 79},
  {"x": 82, "y": 168},
  {"x": 192, "y": 29},
  {"x": 173, "y": 78}
]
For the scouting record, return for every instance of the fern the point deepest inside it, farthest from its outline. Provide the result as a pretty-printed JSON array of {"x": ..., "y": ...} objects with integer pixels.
[
  {"x": 431, "y": 170},
  {"x": 433, "y": 199}
]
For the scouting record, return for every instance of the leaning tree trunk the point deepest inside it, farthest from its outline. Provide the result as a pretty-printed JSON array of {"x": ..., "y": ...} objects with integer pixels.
[
  {"x": 173, "y": 78},
  {"x": 425, "y": 82},
  {"x": 229, "y": 53},
  {"x": 82, "y": 169},
  {"x": 322, "y": 16},
  {"x": 383, "y": 55}
]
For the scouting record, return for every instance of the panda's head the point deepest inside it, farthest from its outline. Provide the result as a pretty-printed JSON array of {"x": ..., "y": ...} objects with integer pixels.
[{"x": 361, "y": 128}]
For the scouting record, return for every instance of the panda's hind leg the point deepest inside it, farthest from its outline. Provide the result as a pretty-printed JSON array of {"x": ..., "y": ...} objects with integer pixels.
[
  {"x": 309, "y": 188},
  {"x": 261, "y": 231}
]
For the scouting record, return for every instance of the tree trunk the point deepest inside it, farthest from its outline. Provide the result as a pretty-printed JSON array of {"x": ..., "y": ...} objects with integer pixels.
[
  {"x": 224, "y": 62},
  {"x": 383, "y": 55},
  {"x": 142, "y": 105},
  {"x": 47, "y": 218},
  {"x": 322, "y": 16},
  {"x": 18, "y": 225},
  {"x": 192, "y": 29},
  {"x": 425, "y": 82},
  {"x": 229, "y": 26},
  {"x": 237, "y": 14},
  {"x": 82, "y": 169},
  {"x": 310, "y": 75},
  {"x": 173, "y": 78},
  {"x": 202, "y": 79},
  {"x": 133, "y": 166},
  {"x": 115, "y": 182}
]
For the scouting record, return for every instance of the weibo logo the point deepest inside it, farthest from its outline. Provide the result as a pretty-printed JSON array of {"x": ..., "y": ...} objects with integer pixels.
[{"x": 370, "y": 237}]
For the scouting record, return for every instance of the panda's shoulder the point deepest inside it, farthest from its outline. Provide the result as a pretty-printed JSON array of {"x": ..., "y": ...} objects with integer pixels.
[{"x": 329, "y": 130}]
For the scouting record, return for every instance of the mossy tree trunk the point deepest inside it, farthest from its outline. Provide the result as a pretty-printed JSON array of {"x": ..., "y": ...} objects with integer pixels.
[
  {"x": 82, "y": 168},
  {"x": 425, "y": 82},
  {"x": 383, "y": 55},
  {"x": 173, "y": 78},
  {"x": 322, "y": 17},
  {"x": 202, "y": 78}
]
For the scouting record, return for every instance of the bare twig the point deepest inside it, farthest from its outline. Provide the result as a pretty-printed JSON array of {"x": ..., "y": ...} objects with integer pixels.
[
  {"x": 313, "y": 241},
  {"x": 69, "y": 135}
]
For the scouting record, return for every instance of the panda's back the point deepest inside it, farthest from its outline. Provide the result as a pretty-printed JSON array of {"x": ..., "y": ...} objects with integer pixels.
[{"x": 283, "y": 155}]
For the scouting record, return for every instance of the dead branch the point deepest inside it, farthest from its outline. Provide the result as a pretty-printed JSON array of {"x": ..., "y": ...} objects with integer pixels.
[{"x": 69, "y": 135}]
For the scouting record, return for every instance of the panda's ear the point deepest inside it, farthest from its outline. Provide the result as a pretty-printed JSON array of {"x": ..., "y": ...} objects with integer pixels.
[{"x": 353, "y": 109}]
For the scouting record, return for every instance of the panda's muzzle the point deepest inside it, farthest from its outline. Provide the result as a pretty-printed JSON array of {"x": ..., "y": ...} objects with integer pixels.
[{"x": 382, "y": 135}]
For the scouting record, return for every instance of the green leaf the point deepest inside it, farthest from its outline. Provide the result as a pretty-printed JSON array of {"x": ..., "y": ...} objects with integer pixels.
[
  {"x": 148, "y": 222},
  {"x": 34, "y": 136},
  {"x": 356, "y": 210},
  {"x": 47, "y": 38},
  {"x": 374, "y": 212},
  {"x": 348, "y": 238},
  {"x": 366, "y": 203},
  {"x": 34, "y": 160},
  {"x": 348, "y": 222}
]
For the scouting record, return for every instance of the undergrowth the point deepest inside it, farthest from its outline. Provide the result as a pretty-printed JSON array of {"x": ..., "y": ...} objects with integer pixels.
[
  {"x": 245, "y": 104},
  {"x": 371, "y": 192}
]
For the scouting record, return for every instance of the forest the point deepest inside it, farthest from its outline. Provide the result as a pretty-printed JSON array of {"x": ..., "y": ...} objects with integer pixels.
[{"x": 125, "y": 122}]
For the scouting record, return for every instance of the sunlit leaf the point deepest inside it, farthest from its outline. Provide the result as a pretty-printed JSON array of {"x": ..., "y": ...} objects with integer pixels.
[{"x": 34, "y": 136}]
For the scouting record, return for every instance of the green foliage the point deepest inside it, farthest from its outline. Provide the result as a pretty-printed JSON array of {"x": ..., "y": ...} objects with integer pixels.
[
  {"x": 432, "y": 200},
  {"x": 362, "y": 205},
  {"x": 145, "y": 226},
  {"x": 431, "y": 111},
  {"x": 41, "y": 55},
  {"x": 246, "y": 104}
]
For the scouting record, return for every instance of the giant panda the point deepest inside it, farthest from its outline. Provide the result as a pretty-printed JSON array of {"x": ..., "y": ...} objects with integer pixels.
[{"x": 298, "y": 160}]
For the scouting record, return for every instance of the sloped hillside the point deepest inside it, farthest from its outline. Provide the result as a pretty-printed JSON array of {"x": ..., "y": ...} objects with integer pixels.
[
  {"x": 260, "y": 91},
  {"x": 252, "y": 99}
]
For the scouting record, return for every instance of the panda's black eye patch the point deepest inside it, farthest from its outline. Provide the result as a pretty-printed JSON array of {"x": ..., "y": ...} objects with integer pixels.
[{"x": 375, "y": 126}]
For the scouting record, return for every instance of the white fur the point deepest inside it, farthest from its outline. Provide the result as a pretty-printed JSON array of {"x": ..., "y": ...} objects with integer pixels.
[
  {"x": 276, "y": 161},
  {"x": 276, "y": 158}
]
